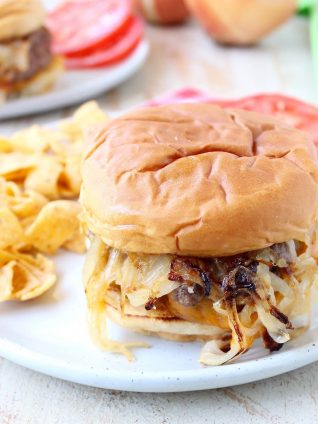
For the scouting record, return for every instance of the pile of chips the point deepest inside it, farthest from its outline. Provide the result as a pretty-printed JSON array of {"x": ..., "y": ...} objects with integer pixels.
[{"x": 39, "y": 212}]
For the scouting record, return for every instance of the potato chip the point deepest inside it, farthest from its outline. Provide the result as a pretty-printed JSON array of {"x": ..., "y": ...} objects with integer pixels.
[
  {"x": 5, "y": 145},
  {"x": 28, "y": 204},
  {"x": 54, "y": 179},
  {"x": 15, "y": 166},
  {"x": 64, "y": 149},
  {"x": 71, "y": 131},
  {"x": 25, "y": 205},
  {"x": 56, "y": 225},
  {"x": 23, "y": 276},
  {"x": 10, "y": 188},
  {"x": 44, "y": 178},
  {"x": 71, "y": 177},
  {"x": 89, "y": 114},
  {"x": 6, "y": 281},
  {"x": 11, "y": 230},
  {"x": 77, "y": 243},
  {"x": 86, "y": 116},
  {"x": 39, "y": 166},
  {"x": 5, "y": 192},
  {"x": 26, "y": 222},
  {"x": 34, "y": 139}
]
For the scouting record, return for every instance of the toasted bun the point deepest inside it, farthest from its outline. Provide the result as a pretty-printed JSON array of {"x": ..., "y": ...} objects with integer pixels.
[
  {"x": 194, "y": 179},
  {"x": 41, "y": 82},
  {"x": 20, "y": 17},
  {"x": 158, "y": 323}
]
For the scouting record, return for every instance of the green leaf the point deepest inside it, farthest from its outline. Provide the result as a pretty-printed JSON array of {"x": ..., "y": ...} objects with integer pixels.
[
  {"x": 304, "y": 6},
  {"x": 313, "y": 30}
]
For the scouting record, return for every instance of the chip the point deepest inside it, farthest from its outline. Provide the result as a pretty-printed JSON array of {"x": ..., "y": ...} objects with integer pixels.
[
  {"x": 39, "y": 169},
  {"x": 71, "y": 177},
  {"x": 5, "y": 145},
  {"x": 86, "y": 116},
  {"x": 57, "y": 225},
  {"x": 23, "y": 276},
  {"x": 27, "y": 204},
  {"x": 22, "y": 203},
  {"x": 15, "y": 166},
  {"x": 44, "y": 178},
  {"x": 11, "y": 229},
  {"x": 34, "y": 139},
  {"x": 8, "y": 189}
]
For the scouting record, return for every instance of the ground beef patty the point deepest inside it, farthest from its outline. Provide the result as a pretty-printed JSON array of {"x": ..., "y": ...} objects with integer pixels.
[{"x": 37, "y": 48}]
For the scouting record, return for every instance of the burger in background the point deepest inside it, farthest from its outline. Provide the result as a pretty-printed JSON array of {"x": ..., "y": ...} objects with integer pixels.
[
  {"x": 93, "y": 34},
  {"x": 27, "y": 65}
]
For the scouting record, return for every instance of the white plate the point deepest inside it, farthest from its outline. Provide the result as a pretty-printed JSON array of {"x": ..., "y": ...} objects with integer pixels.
[
  {"x": 50, "y": 335},
  {"x": 76, "y": 86}
]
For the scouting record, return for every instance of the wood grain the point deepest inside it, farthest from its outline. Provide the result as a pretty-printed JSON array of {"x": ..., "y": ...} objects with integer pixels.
[{"x": 27, "y": 397}]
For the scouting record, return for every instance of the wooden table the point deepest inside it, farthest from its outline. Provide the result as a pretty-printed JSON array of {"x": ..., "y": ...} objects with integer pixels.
[{"x": 181, "y": 56}]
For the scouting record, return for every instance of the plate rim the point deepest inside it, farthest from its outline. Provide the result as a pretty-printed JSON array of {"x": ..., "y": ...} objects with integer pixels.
[
  {"x": 205, "y": 378},
  {"x": 236, "y": 373},
  {"x": 55, "y": 100}
]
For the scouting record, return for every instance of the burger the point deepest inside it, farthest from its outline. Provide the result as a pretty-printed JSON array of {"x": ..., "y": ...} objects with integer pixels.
[
  {"x": 27, "y": 65},
  {"x": 203, "y": 227}
]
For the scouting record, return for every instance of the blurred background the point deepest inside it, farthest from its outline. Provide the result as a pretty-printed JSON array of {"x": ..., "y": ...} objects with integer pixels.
[{"x": 186, "y": 55}]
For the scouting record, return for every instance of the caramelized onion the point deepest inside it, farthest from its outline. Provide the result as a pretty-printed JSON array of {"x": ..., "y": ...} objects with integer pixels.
[{"x": 265, "y": 293}]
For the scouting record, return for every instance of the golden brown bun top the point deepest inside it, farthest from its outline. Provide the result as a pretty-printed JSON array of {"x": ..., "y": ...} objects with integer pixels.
[
  {"x": 195, "y": 179},
  {"x": 20, "y": 17}
]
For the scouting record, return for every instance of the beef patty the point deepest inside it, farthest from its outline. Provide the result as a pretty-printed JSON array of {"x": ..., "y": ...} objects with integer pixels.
[{"x": 35, "y": 54}]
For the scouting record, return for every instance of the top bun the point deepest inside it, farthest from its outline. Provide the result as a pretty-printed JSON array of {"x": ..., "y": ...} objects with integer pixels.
[
  {"x": 194, "y": 179},
  {"x": 20, "y": 17}
]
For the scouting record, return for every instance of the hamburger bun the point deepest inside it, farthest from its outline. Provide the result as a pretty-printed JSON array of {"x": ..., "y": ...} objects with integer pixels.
[
  {"x": 19, "y": 18},
  {"x": 40, "y": 83},
  {"x": 159, "y": 323},
  {"x": 197, "y": 180}
]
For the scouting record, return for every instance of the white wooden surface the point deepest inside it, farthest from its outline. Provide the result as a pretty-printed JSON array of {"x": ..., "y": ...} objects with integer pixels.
[{"x": 179, "y": 57}]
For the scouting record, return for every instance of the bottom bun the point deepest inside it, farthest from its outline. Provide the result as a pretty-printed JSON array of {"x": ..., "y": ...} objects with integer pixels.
[
  {"x": 159, "y": 323},
  {"x": 39, "y": 83}
]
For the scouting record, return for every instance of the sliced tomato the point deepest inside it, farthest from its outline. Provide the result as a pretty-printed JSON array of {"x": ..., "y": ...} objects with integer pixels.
[
  {"x": 112, "y": 52},
  {"x": 108, "y": 43},
  {"x": 289, "y": 110},
  {"x": 78, "y": 25},
  {"x": 294, "y": 112}
]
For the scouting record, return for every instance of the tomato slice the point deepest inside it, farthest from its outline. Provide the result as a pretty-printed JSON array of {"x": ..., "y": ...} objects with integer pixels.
[
  {"x": 112, "y": 52},
  {"x": 294, "y": 112},
  {"x": 78, "y": 25}
]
